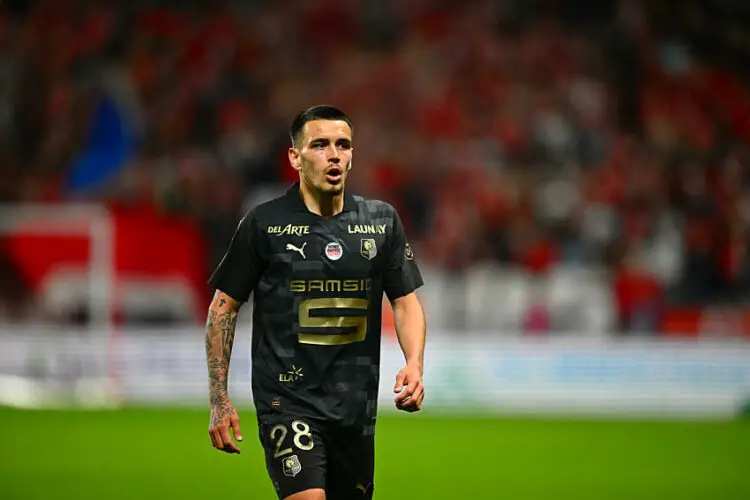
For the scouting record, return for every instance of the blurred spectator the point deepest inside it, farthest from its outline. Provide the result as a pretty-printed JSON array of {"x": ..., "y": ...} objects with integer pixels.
[{"x": 607, "y": 134}]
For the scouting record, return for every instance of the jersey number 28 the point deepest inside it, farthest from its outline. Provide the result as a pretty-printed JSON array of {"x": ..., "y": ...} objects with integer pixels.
[{"x": 303, "y": 439}]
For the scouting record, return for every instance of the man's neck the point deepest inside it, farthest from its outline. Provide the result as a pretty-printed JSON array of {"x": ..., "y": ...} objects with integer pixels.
[{"x": 320, "y": 203}]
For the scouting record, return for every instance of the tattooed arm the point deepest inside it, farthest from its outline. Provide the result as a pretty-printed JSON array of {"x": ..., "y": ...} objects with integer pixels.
[{"x": 220, "y": 329}]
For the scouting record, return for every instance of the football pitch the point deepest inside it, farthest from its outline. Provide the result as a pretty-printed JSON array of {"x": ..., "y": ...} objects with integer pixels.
[{"x": 166, "y": 454}]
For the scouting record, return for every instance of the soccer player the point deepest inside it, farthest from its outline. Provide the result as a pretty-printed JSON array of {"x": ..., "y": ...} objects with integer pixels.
[{"x": 317, "y": 261}]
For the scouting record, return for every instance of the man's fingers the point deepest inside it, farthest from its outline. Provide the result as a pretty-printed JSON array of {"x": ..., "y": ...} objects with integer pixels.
[
  {"x": 412, "y": 402},
  {"x": 408, "y": 391},
  {"x": 411, "y": 406},
  {"x": 418, "y": 402},
  {"x": 235, "y": 423},
  {"x": 223, "y": 419},
  {"x": 417, "y": 394},
  {"x": 400, "y": 379},
  {"x": 213, "y": 439},
  {"x": 413, "y": 386},
  {"x": 229, "y": 445},
  {"x": 216, "y": 438},
  {"x": 403, "y": 397}
]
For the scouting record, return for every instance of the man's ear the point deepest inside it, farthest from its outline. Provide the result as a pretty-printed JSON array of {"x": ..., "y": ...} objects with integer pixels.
[{"x": 295, "y": 159}]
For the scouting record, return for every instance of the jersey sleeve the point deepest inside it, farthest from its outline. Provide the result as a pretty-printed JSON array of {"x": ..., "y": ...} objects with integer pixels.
[
  {"x": 243, "y": 264},
  {"x": 401, "y": 274}
]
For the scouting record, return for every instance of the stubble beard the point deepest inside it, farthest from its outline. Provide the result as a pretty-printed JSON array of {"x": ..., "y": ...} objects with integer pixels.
[
  {"x": 324, "y": 188},
  {"x": 332, "y": 189}
]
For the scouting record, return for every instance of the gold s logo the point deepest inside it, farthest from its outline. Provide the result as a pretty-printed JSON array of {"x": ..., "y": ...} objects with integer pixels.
[{"x": 317, "y": 316}]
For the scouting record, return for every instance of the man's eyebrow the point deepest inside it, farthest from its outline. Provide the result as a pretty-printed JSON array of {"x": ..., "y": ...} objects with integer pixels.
[{"x": 326, "y": 139}]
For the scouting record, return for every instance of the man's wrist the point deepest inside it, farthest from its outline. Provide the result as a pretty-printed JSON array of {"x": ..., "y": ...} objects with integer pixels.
[
  {"x": 415, "y": 362},
  {"x": 219, "y": 398}
]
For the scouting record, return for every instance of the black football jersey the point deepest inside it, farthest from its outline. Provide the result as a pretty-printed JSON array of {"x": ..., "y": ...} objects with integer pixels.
[{"x": 318, "y": 285}]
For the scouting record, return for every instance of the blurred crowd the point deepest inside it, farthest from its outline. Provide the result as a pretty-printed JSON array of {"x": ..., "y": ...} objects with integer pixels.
[{"x": 534, "y": 133}]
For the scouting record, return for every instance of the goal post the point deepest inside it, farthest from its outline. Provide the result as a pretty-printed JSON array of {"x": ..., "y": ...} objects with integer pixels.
[{"x": 93, "y": 383}]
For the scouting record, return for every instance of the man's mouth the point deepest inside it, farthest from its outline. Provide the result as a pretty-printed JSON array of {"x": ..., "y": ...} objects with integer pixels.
[{"x": 334, "y": 175}]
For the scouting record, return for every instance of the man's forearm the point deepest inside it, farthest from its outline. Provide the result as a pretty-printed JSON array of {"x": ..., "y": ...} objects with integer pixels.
[
  {"x": 409, "y": 320},
  {"x": 220, "y": 330}
]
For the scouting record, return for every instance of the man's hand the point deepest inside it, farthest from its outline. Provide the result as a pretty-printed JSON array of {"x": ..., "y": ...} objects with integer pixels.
[
  {"x": 409, "y": 388},
  {"x": 224, "y": 417}
]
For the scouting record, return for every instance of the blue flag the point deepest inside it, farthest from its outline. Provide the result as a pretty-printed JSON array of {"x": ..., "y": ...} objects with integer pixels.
[{"x": 109, "y": 147}]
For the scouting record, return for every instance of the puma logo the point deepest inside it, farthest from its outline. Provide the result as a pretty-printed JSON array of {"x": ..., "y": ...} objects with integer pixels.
[
  {"x": 301, "y": 250},
  {"x": 362, "y": 488}
]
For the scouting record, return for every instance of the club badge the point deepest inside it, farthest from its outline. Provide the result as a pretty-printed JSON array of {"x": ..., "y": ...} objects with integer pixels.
[
  {"x": 291, "y": 465},
  {"x": 368, "y": 249},
  {"x": 334, "y": 251},
  {"x": 408, "y": 252}
]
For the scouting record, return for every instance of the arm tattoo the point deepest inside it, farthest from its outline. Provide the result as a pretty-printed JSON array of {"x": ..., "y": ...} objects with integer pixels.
[
  {"x": 228, "y": 324},
  {"x": 220, "y": 329}
]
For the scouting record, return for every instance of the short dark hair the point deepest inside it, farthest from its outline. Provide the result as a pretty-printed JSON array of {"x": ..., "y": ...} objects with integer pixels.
[{"x": 319, "y": 112}]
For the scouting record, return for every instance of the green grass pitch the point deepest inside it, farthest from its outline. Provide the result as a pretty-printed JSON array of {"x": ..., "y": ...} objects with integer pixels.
[{"x": 139, "y": 454}]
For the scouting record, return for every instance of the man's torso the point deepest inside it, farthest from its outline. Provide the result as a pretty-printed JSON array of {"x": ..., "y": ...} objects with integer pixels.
[{"x": 317, "y": 313}]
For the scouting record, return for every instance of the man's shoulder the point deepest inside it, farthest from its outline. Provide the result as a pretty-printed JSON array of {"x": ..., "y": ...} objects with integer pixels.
[
  {"x": 275, "y": 205},
  {"x": 269, "y": 209},
  {"x": 374, "y": 206}
]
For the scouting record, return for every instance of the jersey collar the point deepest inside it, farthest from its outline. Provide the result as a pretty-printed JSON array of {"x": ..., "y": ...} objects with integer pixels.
[{"x": 298, "y": 204}]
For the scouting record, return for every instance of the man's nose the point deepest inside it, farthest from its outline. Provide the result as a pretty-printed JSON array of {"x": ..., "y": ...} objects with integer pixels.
[{"x": 333, "y": 154}]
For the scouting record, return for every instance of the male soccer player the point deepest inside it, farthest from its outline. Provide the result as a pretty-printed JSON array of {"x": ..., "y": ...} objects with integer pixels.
[{"x": 317, "y": 260}]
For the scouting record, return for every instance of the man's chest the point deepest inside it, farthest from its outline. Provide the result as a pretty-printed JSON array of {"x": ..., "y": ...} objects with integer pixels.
[{"x": 349, "y": 247}]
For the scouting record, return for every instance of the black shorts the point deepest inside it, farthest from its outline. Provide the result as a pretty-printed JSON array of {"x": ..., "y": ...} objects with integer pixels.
[{"x": 303, "y": 454}]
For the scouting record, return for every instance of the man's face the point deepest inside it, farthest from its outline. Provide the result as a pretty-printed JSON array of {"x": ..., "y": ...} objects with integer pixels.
[{"x": 324, "y": 155}]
